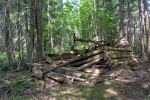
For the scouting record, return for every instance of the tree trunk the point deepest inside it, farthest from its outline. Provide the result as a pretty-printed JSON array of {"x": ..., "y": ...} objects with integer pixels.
[
  {"x": 31, "y": 34},
  {"x": 19, "y": 36},
  {"x": 141, "y": 12},
  {"x": 121, "y": 32},
  {"x": 38, "y": 15},
  {"x": 147, "y": 26},
  {"x": 26, "y": 31},
  {"x": 7, "y": 34}
]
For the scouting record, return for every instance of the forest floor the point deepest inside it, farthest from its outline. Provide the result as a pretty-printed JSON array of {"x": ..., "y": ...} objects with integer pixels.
[{"x": 130, "y": 85}]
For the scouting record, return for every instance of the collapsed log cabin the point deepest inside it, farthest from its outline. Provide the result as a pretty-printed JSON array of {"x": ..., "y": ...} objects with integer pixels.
[{"x": 84, "y": 65}]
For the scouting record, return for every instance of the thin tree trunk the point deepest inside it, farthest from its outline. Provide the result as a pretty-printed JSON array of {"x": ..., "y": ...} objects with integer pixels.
[
  {"x": 62, "y": 30},
  {"x": 26, "y": 31},
  {"x": 19, "y": 36},
  {"x": 121, "y": 19}
]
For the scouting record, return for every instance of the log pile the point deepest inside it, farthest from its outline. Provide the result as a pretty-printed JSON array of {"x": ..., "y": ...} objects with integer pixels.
[{"x": 83, "y": 65}]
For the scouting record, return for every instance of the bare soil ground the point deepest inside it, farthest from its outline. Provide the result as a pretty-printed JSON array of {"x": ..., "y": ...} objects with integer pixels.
[{"x": 130, "y": 85}]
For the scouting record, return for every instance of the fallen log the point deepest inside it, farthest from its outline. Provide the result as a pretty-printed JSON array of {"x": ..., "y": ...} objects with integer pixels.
[
  {"x": 95, "y": 71},
  {"x": 120, "y": 60},
  {"x": 77, "y": 59},
  {"x": 70, "y": 73},
  {"x": 74, "y": 71},
  {"x": 118, "y": 49},
  {"x": 62, "y": 78},
  {"x": 81, "y": 62},
  {"x": 88, "y": 64},
  {"x": 119, "y": 55},
  {"x": 36, "y": 69},
  {"x": 55, "y": 76},
  {"x": 101, "y": 66}
]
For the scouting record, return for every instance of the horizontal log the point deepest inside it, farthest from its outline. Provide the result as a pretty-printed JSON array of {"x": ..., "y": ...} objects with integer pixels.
[
  {"x": 62, "y": 77},
  {"x": 101, "y": 56},
  {"x": 88, "y": 64},
  {"x": 55, "y": 76},
  {"x": 114, "y": 65},
  {"x": 120, "y": 60},
  {"x": 95, "y": 71},
  {"x": 74, "y": 71},
  {"x": 78, "y": 58},
  {"x": 118, "y": 49},
  {"x": 70, "y": 73},
  {"x": 119, "y": 55},
  {"x": 100, "y": 66}
]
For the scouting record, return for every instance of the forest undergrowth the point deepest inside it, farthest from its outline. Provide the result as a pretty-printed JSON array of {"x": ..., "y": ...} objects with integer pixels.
[{"x": 132, "y": 84}]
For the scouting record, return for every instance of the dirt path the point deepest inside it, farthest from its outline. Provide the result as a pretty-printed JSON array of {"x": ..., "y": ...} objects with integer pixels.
[{"x": 133, "y": 84}]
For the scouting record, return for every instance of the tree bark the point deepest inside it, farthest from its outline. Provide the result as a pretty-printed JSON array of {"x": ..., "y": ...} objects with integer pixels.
[
  {"x": 141, "y": 12},
  {"x": 121, "y": 32},
  {"x": 147, "y": 26},
  {"x": 32, "y": 34},
  {"x": 26, "y": 31},
  {"x": 7, "y": 33},
  {"x": 39, "y": 4}
]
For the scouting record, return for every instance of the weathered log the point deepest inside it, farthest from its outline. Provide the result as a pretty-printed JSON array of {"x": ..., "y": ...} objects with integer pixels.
[
  {"x": 118, "y": 49},
  {"x": 77, "y": 59},
  {"x": 74, "y": 71},
  {"x": 120, "y": 60},
  {"x": 101, "y": 66},
  {"x": 47, "y": 68},
  {"x": 95, "y": 71},
  {"x": 70, "y": 73},
  {"x": 62, "y": 77},
  {"x": 114, "y": 65},
  {"x": 88, "y": 64},
  {"x": 55, "y": 76},
  {"x": 36, "y": 69},
  {"x": 81, "y": 62},
  {"x": 119, "y": 55}
]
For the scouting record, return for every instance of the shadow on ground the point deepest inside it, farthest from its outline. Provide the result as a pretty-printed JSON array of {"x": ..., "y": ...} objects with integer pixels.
[{"x": 130, "y": 85}]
